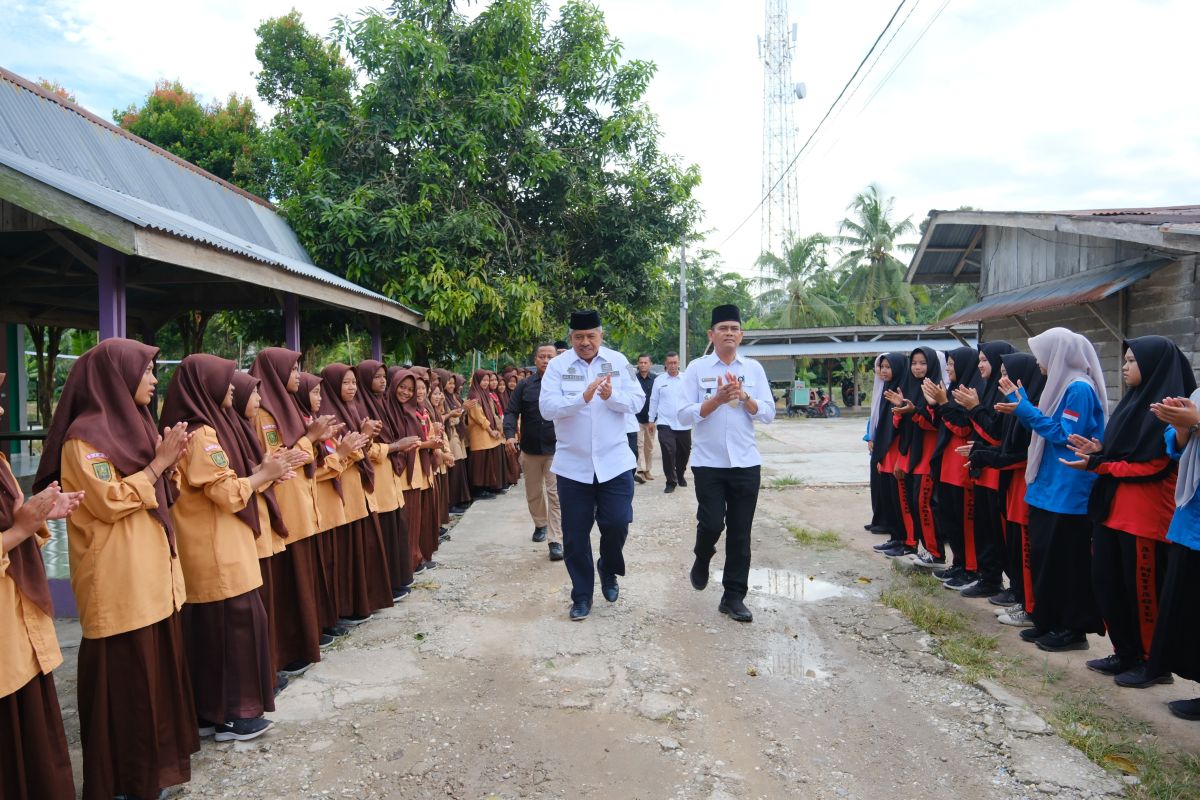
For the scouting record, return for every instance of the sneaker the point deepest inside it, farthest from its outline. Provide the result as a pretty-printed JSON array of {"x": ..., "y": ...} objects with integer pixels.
[
  {"x": 242, "y": 730},
  {"x": 1140, "y": 678},
  {"x": 424, "y": 565},
  {"x": 432, "y": 565},
  {"x": 1110, "y": 665},
  {"x": 485, "y": 495},
  {"x": 1018, "y": 619},
  {"x": 948, "y": 573},
  {"x": 682, "y": 483},
  {"x": 1004, "y": 598},
  {"x": 556, "y": 551},
  {"x": 1185, "y": 709},
  {"x": 444, "y": 537},
  {"x": 900, "y": 552},
  {"x": 926, "y": 561},
  {"x": 670, "y": 487},
  {"x": 539, "y": 533},
  {"x": 400, "y": 594},
  {"x": 298, "y": 668},
  {"x": 979, "y": 589},
  {"x": 281, "y": 683},
  {"x": 1009, "y": 609},
  {"x": 354, "y": 622},
  {"x": 961, "y": 582},
  {"x": 1031, "y": 635},
  {"x": 888, "y": 545},
  {"x": 457, "y": 511},
  {"x": 336, "y": 631},
  {"x": 326, "y": 641},
  {"x": 637, "y": 476},
  {"x": 206, "y": 728},
  {"x": 1062, "y": 641}
]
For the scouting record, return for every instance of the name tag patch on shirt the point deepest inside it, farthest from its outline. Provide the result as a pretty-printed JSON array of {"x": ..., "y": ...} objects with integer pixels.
[
  {"x": 103, "y": 470},
  {"x": 219, "y": 458},
  {"x": 94, "y": 456}
]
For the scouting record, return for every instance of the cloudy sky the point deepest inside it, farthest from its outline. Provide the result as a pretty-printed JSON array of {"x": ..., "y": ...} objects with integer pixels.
[{"x": 1024, "y": 104}]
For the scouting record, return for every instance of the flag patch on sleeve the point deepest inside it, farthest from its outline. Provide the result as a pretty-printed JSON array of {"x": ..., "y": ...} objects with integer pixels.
[{"x": 1070, "y": 416}]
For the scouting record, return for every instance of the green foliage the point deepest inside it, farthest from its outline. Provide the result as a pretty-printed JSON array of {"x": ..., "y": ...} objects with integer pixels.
[
  {"x": 869, "y": 239},
  {"x": 493, "y": 172},
  {"x": 792, "y": 295}
]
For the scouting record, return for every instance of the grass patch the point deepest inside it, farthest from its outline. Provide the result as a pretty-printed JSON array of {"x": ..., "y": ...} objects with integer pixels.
[
  {"x": 784, "y": 481},
  {"x": 1124, "y": 745},
  {"x": 957, "y": 641},
  {"x": 810, "y": 538}
]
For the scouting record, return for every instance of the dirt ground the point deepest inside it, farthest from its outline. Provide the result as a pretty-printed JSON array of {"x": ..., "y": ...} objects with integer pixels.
[{"x": 478, "y": 686}]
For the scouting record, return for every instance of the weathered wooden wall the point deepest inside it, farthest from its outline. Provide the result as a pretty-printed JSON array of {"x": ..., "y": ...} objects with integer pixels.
[{"x": 1014, "y": 258}]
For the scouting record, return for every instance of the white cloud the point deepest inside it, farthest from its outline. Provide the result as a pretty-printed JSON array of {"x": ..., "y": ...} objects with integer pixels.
[{"x": 1055, "y": 104}]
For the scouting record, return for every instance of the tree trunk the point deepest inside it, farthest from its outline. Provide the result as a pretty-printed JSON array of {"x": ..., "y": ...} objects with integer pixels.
[
  {"x": 192, "y": 325},
  {"x": 47, "y": 340}
]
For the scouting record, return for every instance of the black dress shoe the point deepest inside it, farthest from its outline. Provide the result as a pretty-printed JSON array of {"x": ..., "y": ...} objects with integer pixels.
[
  {"x": 1111, "y": 665},
  {"x": 637, "y": 476},
  {"x": 580, "y": 609},
  {"x": 735, "y": 607},
  {"x": 539, "y": 533},
  {"x": 1063, "y": 641},
  {"x": 556, "y": 551},
  {"x": 699, "y": 574},
  {"x": 1185, "y": 709},
  {"x": 609, "y": 587},
  {"x": 1140, "y": 678},
  {"x": 670, "y": 487},
  {"x": 683, "y": 483}
]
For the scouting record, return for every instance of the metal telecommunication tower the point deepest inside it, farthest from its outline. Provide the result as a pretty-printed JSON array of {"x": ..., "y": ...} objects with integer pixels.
[{"x": 780, "y": 216}]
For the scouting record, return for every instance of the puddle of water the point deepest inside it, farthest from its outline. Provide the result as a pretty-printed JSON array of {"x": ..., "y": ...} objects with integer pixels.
[
  {"x": 792, "y": 585},
  {"x": 788, "y": 657}
]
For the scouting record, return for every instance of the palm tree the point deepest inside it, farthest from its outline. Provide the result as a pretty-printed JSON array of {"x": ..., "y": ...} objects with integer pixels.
[
  {"x": 874, "y": 276},
  {"x": 787, "y": 284}
]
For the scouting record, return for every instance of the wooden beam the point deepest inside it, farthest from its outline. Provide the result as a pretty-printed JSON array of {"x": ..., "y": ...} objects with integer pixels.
[
  {"x": 71, "y": 246},
  {"x": 1022, "y": 325},
  {"x": 962, "y": 262},
  {"x": 960, "y": 339},
  {"x": 65, "y": 209},
  {"x": 1096, "y": 313}
]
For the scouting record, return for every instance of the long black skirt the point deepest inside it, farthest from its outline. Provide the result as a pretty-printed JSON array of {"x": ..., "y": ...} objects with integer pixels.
[
  {"x": 1176, "y": 646},
  {"x": 34, "y": 762},
  {"x": 1060, "y": 560},
  {"x": 137, "y": 717},
  {"x": 229, "y": 656}
]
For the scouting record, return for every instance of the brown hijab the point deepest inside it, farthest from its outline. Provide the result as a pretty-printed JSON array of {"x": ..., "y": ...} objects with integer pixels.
[
  {"x": 308, "y": 382},
  {"x": 350, "y": 414},
  {"x": 409, "y": 416},
  {"x": 97, "y": 407},
  {"x": 484, "y": 396},
  {"x": 376, "y": 406},
  {"x": 244, "y": 386},
  {"x": 25, "y": 565},
  {"x": 272, "y": 366},
  {"x": 453, "y": 400}
]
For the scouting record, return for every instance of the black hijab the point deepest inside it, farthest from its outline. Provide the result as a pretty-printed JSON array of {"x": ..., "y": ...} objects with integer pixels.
[
  {"x": 885, "y": 431},
  {"x": 1015, "y": 437},
  {"x": 966, "y": 373},
  {"x": 912, "y": 443},
  {"x": 994, "y": 352}
]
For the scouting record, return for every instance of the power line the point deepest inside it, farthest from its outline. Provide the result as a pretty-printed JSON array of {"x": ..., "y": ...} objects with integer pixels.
[
  {"x": 900, "y": 60},
  {"x": 815, "y": 130}
]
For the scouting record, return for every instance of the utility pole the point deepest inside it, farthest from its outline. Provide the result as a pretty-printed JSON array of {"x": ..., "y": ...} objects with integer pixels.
[{"x": 683, "y": 331}]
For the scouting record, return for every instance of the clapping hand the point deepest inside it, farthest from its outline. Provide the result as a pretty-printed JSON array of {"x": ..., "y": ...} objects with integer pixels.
[
  {"x": 965, "y": 396},
  {"x": 898, "y": 401},
  {"x": 935, "y": 393},
  {"x": 1007, "y": 386},
  {"x": 1178, "y": 412}
]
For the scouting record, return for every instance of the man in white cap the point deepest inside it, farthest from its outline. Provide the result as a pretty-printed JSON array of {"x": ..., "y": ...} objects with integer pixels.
[
  {"x": 587, "y": 393},
  {"x": 724, "y": 395}
]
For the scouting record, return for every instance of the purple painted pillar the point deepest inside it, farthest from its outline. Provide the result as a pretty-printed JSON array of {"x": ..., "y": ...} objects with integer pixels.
[
  {"x": 291, "y": 321},
  {"x": 373, "y": 323},
  {"x": 111, "y": 272}
]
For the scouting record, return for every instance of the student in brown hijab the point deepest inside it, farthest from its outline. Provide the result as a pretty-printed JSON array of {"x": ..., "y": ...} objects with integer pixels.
[
  {"x": 485, "y": 465},
  {"x": 502, "y": 385},
  {"x": 34, "y": 761},
  {"x": 216, "y": 521},
  {"x": 280, "y": 425},
  {"x": 136, "y": 713},
  {"x": 272, "y": 538},
  {"x": 409, "y": 390},
  {"x": 364, "y": 585},
  {"x": 455, "y": 419},
  {"x": 439, "y": 481}
]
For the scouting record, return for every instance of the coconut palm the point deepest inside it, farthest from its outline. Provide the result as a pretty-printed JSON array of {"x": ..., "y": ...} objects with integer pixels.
[
  {"x": 874, "y": 276},
  {"x": 788, "y": 294}
]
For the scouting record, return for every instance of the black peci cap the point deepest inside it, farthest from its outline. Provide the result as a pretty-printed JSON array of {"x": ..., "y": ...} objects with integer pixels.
[
  {"x": 725, "y": 313},
  {"x": 585, "y": 320}
]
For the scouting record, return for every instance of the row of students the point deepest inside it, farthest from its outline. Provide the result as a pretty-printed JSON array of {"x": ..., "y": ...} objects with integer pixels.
[
  {"x": 1080, "y": 511},
  {"x": 213, "y": 553}
]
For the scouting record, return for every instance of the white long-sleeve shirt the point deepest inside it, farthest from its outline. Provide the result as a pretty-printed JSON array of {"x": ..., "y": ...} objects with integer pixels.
[
  {"x": 591, "y": 441},
  {"x": 666, "y": 401},
  {"x": 725, "y": 438}
]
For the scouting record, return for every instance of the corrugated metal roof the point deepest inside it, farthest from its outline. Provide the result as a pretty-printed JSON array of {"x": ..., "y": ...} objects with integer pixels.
[
  {"x": 1084, "y": 287},
  {"x": 846, "y": 349},
  {"x": 59, "y": 144}
]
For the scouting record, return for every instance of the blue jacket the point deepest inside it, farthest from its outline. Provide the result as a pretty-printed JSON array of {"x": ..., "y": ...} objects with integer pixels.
[
  {"x": 1185, "y": 525},
  {"x": 1057, "y": 487}
]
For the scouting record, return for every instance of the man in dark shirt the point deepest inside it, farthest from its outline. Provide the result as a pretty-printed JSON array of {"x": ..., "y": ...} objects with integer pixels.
[
  {"x": 537, "y": 452},
  {"x": 645, "y": 434}
]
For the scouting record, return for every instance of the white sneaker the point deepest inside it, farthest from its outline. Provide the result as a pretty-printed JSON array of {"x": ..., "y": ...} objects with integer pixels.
[
  {"x": 923, "y": 560},
  {"x": 1018, "y": 619},
  {"x": 1010, "y": 609}
]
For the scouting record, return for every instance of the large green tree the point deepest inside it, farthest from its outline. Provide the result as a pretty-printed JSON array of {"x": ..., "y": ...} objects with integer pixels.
[
  {"x": 790, "y": 296},
  {"x": 869, "y": 238},
  {"x": 493, "y": 172}
]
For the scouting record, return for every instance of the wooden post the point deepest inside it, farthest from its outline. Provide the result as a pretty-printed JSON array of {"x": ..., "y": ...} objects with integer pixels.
[
  {"x": 376, "y": 328},
  {"x": 111, "y": 274},
  {"x": 291, "y": 321}
]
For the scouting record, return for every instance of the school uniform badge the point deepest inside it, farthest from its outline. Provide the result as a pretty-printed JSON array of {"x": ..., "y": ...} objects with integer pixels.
[
  {"x": 273, "y": 436},
  {"x": 220, "y": 459},
  {"x": 103, "y": 471}
]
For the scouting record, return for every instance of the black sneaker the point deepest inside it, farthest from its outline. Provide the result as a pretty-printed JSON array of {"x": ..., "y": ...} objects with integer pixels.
[
  {"x": 669, "y": 488},
  {"x": 444, "y": 537},
  {"x": 900, "y": 552},
  {"x": 980, "y": 589},
  {"x": 1062, "y": 641},
  {"x": 206, "y": 728},
  {"x": 1185, "y": 709},
  {"x": 353, "y": 622},
  {"x": 683, "y": 483},
  {"x": 556, "y": 551},
  {"x": 485, "y": 496},
  {"x": 326, "y": 641},
  {"x": 1005, "y": 598},
  {"x": 242, "y": 730},
  {"x": 336, "y": 631},
  {"x": 926, "y": 561},
  {"x": 1110, "y": 665},
  {"x": 1033, "y": 634},
  {"x": 297, "y": 668},
  {"x": 539, "y": 533},
  {"x": 1140, "y": 678},
  {"x": 962, "y": 581},
  {"x": 948, "y": 573},
  {"x": 432, "y": 565},
  {"x": 400, "y": 594},
  {"x": 888, "y": 545},
  {"x": 457, "y": 511},
  {"x": 281, "y": 683}
]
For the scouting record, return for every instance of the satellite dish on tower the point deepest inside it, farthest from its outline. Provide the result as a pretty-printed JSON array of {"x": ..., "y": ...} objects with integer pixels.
[{"x": 801, "y": 90}]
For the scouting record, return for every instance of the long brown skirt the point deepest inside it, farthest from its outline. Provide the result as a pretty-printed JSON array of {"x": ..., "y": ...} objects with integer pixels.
[
  {"x": 229, "y": 656},
  {"x": 137, "y": 718},
  {"x": 394, "y": 526},
  {"x": 34, "y": 762},
  {"x": 414, "y": 512},
  {"x": 430, "y": 521},
  {"x": 267, "y": 593},
  {"x": 442, "y": 487},
  {"x": 326, "y": 575},
  {"x": 460, "y": 484},
  {"x": 485, "y": 468},
  {"x": 512, "y": 466},
  {"x": 364, "y": 584},
  {"x": 296, "y": 635}
]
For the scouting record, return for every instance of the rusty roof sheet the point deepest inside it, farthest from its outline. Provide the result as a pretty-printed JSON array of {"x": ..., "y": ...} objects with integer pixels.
[{"x": 1083, "y": 287}]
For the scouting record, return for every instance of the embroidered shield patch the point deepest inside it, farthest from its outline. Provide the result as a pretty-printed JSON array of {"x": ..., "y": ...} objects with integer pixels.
[
  {"x": 273, "y": 438},
  {"x": 103, "y": 471},
  {"x": 219, "y": 459}
]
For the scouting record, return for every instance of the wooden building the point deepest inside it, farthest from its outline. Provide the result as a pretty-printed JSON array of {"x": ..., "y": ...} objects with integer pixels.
[{"x": 1108, "y": 274}]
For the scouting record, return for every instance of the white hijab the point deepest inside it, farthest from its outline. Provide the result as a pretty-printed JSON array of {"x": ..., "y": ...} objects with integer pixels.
[
  {"x": 1189, "y": 468},
  {"x": 876, "y": 393},
  {"x": 1067, "y": 357},
  {"x": 945, "y": 371}
]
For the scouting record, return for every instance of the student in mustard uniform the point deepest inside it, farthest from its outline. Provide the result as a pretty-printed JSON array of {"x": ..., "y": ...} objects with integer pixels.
[
  {"x": 439, "y": 482},
  {"x": 216, "y": 522},
  {"x": 418, "y": 497},
  {"x": 437, "y": 402},
  {"x": 281, "y": 425},
  {"x": 136, "y": 712},
  {"x": 456, "y": 436},
  {"x": 364, "y": 585},
  {"x": 485, "y": 466},
  {"x": 34, "y": 762}
]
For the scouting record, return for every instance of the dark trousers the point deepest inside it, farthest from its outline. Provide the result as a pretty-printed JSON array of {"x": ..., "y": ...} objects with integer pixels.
[
  {"x": 610, "y": 506},
  {"x": 989, "y": 535},
  {"x": 889, "y": 504},
  {"x": 1176, "y": 646},
  {"x": 632, "y": 437},
  {"x": 918, "y": 499},
  {"x": 726, "y": 499},
  {"x": 1127, "y": 576},
  {"x": 676, "y": 450},
  {"x": 950, "y": 515},
  {"x": 1060, "y": 560}
]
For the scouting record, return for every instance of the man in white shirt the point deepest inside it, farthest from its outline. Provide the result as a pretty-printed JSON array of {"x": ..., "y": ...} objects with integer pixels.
[
  {"x": 587, "y": 393},
  {"x": 674, "y": 438},
  {"x": 725, "y": 394}
]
